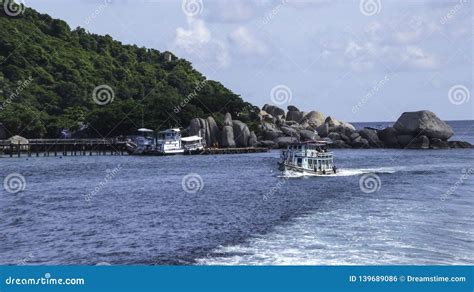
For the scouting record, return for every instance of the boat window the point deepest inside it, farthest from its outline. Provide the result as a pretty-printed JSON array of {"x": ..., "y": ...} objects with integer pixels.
[{"x": 299, "y": 161}]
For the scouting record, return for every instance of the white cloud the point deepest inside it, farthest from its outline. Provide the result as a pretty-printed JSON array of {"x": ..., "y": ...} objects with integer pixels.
[
  {"x": 197, "y": 34},
  {"x": 367, "y": 56},
  {"x": 246, "y": 42},
  {"x": 197, "y": 41},
  {"x": 416, "y": 57},
  {"x": 404, "y": 32}
]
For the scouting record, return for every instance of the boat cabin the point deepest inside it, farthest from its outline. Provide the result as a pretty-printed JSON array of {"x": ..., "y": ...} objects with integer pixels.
[
  {"x": 169, "y": 141},
  {"x": 312, "y": 157},
  {"x": 192, "y": 143}
]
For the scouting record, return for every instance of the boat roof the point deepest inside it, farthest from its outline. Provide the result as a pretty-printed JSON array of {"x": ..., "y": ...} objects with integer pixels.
[
  {"x": 145, "y": 130},
  {"x": 191, "y": 138},
  {"x": 313, "y": 143},
  {"x": 176, "y": 130}
]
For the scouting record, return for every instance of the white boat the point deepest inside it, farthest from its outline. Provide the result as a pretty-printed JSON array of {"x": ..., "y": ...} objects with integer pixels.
[
  {"x": 140, "y": 143},
  {"x": 168, "y": 142},
  {"x": 309, "y": 157},
  {"x": 192, "y": 144}
]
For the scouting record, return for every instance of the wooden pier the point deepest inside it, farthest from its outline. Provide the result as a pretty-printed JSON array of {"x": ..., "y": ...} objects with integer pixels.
[
  {"x": 62, "y": 147},
  {"x": 93, "y": 147}
]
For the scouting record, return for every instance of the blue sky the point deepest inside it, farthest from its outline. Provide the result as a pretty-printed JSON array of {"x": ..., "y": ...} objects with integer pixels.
[{"x": 367, "y": 60}]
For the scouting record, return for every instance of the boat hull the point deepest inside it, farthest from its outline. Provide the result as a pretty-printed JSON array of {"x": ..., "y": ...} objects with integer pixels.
[{"x": 294, "y": 168}]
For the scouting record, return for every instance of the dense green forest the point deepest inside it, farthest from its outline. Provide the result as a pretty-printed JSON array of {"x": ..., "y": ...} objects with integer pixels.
[{"x": 48, "y": 74}]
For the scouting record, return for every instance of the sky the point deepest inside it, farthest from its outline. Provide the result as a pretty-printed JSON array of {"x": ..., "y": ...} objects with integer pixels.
[{"x": 356, "y": 60}]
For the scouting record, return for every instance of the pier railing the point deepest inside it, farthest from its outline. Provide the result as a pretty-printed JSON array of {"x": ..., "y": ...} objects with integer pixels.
[{"x": 63, "y": 147}]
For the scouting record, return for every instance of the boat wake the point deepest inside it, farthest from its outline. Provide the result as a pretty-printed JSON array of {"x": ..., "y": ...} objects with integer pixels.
[{"x": 343, "y": 172}]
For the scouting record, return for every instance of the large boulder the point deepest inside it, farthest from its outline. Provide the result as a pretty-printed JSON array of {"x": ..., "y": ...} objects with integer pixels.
[
  {"x": 272, "y": 134},
  {"x": 194, "y": 127},
  {"x": 389, "y": 137},
  {"x": 339, "y": 144},
  {"x": 289, "y": 131},
  {"x": 334, "y": 136},
  {"x": 241, "y": 133},
  {"x": 459, "y": 144},
  {"x": 296, "y": 116},
  {"x": 228, "y": 119},
  {"x": 268, "y": 126},
  {"x": 347, "y": 125},
  {"x": 268, "y": 144},
  {"x": 360, "y": 142},
  {"x": 253, "y": 142},
  {"x": 346, "y": 139},
  {"x": 283, "y": 142},
  {"x": 436, "y": 143},
  {"x": 273, "y": 110},
  {"x": 323, "y": 130},
  {"x": 307, "y": 135},
  {"x": 200, "y": 127},
  {"x": 423, "y": 123},
  {"x": 354, "y": 136},
  {"x": 332, "y": 122},
  {"x": 292, "y": 108},
  {"x": 371, "y": 136},
  {"x": 342, "y": 130},
  {"x": 314, "y": 119},
  {"x": 228, "y": 136},
  {"x": 266, "y": 117},
  {"x": 404, "y": 140},
  {"x": 421, "y": 142},
  {"x": 214, "y": 130}
]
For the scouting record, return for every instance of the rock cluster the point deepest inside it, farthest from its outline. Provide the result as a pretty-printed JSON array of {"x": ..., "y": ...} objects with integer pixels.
[
  {"x": 234, "y": 133},
  {"x": 277, "y": 129},
  {"x": 413, "y": 130}
]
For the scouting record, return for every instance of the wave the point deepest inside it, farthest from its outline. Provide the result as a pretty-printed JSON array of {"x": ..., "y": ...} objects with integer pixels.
[
  {"x": 343, "y": 172},
  {"x": 417, "y": 169}
]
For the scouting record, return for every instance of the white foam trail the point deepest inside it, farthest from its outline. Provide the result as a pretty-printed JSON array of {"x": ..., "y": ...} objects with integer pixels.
[{"x": 342, "y": 172}]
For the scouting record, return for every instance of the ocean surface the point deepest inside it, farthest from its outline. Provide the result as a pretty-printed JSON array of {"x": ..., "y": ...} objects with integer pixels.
[{"x": 384, "y": 206}]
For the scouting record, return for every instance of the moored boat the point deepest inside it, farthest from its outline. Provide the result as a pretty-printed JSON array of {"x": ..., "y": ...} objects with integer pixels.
[
  {"x": 308, "y": 157},
  {"x": 141, "y": 142},
  {"x": 168, "y": 142},
  {"x": 192, "y": 144}
]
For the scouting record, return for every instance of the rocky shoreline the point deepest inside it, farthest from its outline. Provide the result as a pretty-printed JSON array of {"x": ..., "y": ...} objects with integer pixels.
[{"x": 277, "y": 128}]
